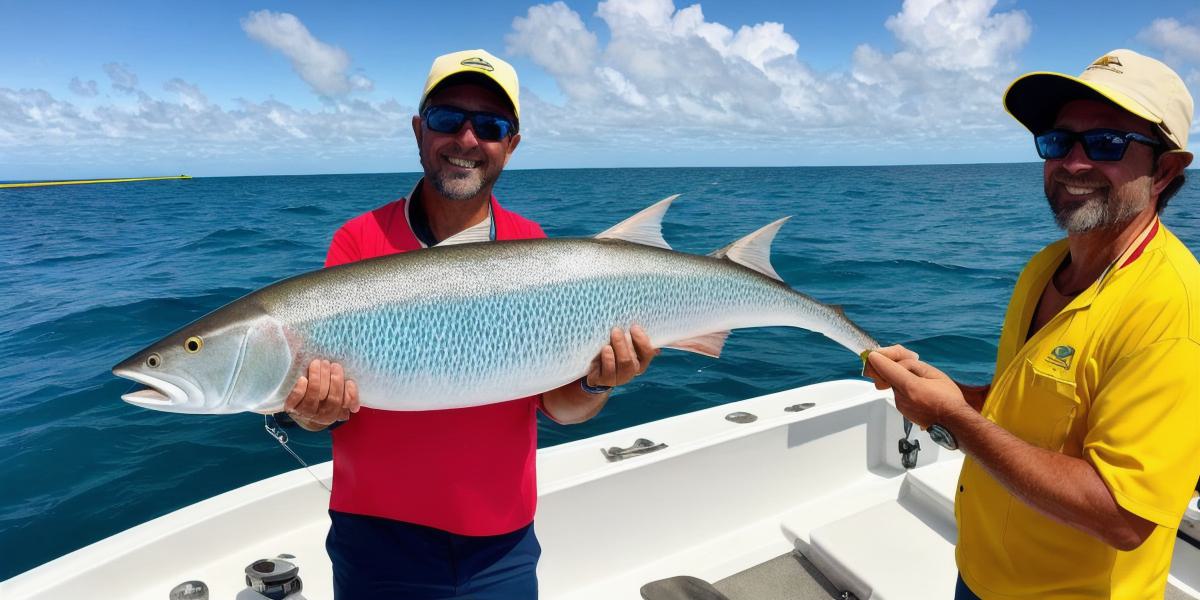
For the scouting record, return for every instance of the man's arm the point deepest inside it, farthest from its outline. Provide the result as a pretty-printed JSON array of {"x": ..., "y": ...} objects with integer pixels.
[
  {"x": 975, "y": 395},
  {"x": 627, "y": 356},
  {"x": 1064, "y": 488}
]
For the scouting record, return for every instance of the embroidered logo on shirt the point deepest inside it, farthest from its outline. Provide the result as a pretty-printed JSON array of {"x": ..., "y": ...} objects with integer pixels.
[{"x": 1060, "y": 356}]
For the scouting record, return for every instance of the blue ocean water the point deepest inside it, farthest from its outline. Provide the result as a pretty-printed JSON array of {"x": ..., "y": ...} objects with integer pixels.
[{"x": 925, "y": 256}]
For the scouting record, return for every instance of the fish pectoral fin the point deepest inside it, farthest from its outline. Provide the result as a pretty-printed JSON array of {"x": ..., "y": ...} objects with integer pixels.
[
  {"x": 754, "y": 250},
  {"x": 709, "y": 344},
  {"x": 643, "y": 228}
]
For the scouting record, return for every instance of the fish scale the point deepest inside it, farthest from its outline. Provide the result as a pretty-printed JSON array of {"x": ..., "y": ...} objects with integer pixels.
[{"x": 451, "y": 346}]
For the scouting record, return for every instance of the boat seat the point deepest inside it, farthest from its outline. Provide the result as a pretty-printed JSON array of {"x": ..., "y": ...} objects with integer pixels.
[{"x": 682, "y": 587}]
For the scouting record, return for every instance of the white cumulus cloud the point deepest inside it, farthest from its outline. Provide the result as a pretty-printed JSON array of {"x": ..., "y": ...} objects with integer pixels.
[
  {"x": 954, "y": 61},
  {"x": 184, "y": 126},
  {"x": 554, "y": 36},
  {"x": 190, "y": 95},
  {"x": 685, "y": 74},
  {"x": 123, "y": 80},
  {"x": 322, "y": 66},
  {"x": 959, "y": 35},
  {"x": 87, "y": 90},
  {"x": 1180, "y": 45}
]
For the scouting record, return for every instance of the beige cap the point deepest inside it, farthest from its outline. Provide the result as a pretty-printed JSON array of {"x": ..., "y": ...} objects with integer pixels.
[
  {"x": 478, "y": 62},
  {"x": 1139, "y": 84}
]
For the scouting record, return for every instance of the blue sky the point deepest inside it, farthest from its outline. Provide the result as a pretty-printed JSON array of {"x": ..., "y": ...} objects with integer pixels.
[{"x": 224, "y": 88}]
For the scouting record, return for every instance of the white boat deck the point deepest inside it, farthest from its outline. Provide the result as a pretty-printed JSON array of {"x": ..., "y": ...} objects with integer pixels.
[{"x": 720, "y": 498}]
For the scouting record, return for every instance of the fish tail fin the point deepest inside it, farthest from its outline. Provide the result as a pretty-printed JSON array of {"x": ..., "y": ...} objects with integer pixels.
[
  {"x": 754, "y": 250},
  {"x": 643, "y": 228}
]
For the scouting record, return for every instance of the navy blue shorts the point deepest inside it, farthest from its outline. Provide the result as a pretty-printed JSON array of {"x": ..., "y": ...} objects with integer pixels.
[
  {"x": 379, "y": 558},
  {"x": 962, "y": 592}
]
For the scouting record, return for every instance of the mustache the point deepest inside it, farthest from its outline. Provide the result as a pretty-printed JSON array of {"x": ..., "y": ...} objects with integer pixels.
[{"x": 1063, "y": 178}]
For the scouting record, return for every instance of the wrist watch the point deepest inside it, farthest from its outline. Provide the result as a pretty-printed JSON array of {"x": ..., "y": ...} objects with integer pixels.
[{"x": 942, "y": 437}]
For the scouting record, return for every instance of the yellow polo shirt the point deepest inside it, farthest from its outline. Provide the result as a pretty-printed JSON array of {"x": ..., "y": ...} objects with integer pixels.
[{"x": 1113, "y": 379}]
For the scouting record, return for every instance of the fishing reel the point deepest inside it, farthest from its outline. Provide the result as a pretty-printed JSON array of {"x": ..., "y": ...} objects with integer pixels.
[
  {"x": 266, "y": 579},
  {"x": 273, "y": 579}
]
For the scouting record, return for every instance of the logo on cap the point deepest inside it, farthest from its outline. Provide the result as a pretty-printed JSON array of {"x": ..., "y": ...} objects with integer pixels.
[
  {"x": 1108, "y": 62},
  {"x": 1060, "y": 356},
  {"x": 478, "y": 63}
]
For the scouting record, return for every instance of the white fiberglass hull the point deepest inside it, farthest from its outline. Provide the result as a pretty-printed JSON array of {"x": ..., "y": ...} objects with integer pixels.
[{"x": 721, "y": 497}]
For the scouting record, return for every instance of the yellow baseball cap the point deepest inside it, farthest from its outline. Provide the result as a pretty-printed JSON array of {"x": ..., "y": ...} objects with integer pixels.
[
  {"x": 477, "y": 62},
  {"x": 1139, "y": 84}
]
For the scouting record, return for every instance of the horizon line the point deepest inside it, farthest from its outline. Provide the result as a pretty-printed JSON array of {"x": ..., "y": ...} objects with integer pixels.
[
  {"x": 888, "y": 165},
  {"x": 511, "y": 169}
]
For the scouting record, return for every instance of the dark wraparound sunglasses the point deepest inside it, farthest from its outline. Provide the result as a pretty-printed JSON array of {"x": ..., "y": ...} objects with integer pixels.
[
  {"x": 487, "y": 126},
  {"x": 1098, "y": 144}
]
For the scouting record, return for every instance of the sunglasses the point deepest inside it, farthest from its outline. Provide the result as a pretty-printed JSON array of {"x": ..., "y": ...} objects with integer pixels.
[
  {"x": 487, "y": 126},
  {"x": 1098, "y": 144}
]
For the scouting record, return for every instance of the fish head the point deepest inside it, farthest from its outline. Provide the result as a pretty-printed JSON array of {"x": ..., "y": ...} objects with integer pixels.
[{"x": 231, "y": 360}]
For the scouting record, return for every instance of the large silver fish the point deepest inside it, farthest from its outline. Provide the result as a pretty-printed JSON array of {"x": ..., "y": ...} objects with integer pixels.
[{"x": 474, "y": 324}]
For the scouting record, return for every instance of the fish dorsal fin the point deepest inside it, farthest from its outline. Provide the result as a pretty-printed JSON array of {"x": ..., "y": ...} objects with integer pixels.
[
  {"x": 643, "y": 228},
  {"x": 709, "y": 344},
  {"x": 754, "y": 250}
]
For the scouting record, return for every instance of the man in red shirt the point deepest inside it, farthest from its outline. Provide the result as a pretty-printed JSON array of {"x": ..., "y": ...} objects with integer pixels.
[{"x": 440, "y": 504}]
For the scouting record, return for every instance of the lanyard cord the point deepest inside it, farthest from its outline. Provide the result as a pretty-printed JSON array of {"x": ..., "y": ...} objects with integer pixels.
[{"x": 1133, "y": 244}]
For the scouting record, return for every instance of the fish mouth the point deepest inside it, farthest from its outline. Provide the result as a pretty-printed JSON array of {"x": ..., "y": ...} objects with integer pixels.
[{"x": 156, "y": 394}]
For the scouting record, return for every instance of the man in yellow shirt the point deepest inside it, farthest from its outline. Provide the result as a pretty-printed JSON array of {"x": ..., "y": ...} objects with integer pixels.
[{"x": 1083, "y": 452}]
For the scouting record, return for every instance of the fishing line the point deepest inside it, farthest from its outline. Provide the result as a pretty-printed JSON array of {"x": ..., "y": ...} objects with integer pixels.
[{"x": 273, "y": 428}]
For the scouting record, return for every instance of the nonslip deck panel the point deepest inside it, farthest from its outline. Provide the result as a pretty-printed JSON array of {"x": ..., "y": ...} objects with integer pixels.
[
  {"x": 786, "y": 577},
  {"x": 681, "y": 587}
]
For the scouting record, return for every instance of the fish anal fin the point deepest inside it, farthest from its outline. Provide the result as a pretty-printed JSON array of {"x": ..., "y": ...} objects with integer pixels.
[
  {"x": 643, "y": 228},
  {"x": 709, "y": 344},
  {"x": 754, "y": 250}
]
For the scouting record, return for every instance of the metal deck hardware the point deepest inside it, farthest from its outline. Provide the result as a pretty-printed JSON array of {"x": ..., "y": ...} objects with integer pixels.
[
  {"x": 640, "y": 446},
  {"x": 741, "y": 417}
]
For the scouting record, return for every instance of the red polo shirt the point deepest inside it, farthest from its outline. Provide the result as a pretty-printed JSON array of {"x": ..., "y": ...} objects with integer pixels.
[{"x": 469, "y": 471}]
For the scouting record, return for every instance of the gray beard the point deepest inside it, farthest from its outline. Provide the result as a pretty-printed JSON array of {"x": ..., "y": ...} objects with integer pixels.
[
  {"x": 459, "y": 188},
  {"x": 1099, "y": 213}
]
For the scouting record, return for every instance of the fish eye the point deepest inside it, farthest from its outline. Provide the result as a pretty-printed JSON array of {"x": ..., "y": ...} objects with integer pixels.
[
  {"x": 193, "y": 344},
  {"x": 153, "y": 361}
]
